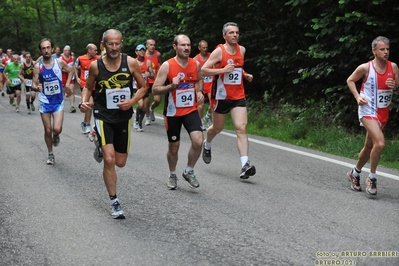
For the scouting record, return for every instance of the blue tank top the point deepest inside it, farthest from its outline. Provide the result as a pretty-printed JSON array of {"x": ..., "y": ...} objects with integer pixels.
[{"x": 51, "y": 80}]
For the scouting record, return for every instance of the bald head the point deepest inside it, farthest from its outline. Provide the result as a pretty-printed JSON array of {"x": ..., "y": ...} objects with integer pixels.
[{"x": 111, "y": 32}]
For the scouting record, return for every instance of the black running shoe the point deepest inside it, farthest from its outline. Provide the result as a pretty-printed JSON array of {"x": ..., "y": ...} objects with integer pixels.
[{"x": 247, "y": 170}]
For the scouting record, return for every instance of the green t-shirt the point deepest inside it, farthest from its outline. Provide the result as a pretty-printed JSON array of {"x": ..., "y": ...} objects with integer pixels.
[{"x": 12, "y": 70}]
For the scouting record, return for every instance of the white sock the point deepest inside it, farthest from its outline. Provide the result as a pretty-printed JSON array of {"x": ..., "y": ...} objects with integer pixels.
[
  {"x": 244, "y": 160},
  {"x": 207, "y": 145},
  {"x": 173, "y": 173},
  {"x": 372, "y": 175},
  {"x": 188, "y": 169}
]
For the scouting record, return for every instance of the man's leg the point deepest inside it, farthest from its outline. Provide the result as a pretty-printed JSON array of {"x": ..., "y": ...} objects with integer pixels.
[
  {"x": 373, "y": 145},
  {"x": 18, "y": 93},
  {"x": 58, "y": 119},
  {"x": 239, "y": 119},
  {"x": 155, "y": 103},
  {"x": 112, "y": 158},
  {"x": 48, "y": 138},
  {"x": 172, "y": 155},
  {"x": 145, "y": 109},
  {"x": 1, "y": 84},
  {"x": 72, "y": 98}
]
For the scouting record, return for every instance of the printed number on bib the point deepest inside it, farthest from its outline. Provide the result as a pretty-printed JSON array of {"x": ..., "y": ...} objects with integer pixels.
[
  {"x": 52, "y": 87},
  {"x": 234, "y": 77},
  {"x": 115, "y": 96},
  {"x": 28, "y": 82},
  {"x": 16, "y": 81},
  {"x": 86, "y": 73},
  {"x": 384, "y": 98},
  {"x": 185, "y": 98}
]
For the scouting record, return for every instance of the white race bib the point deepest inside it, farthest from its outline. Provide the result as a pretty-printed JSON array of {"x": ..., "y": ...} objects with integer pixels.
[
  {"x": 384, "y": 98},
  {"x": 234, "y": 77},
  {"x": 51, "y": 87},
  {"x": 28, "y": 82},
  {"x": 185, "y": 97},
  {"x": 86, "y": 73},
  {"x": 16, "y": 81},
  {"x": 115, "y": 96}
]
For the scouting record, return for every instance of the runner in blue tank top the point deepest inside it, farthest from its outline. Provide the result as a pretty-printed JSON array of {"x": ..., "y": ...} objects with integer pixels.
[{"x": 47, "y": 80}]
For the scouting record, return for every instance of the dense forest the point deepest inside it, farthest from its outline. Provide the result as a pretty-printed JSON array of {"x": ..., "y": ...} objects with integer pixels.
[{"x": 300, "y": 52}]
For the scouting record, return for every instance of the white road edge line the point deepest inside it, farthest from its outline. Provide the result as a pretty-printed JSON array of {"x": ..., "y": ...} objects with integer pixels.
[{"x": 379, "y": 173}]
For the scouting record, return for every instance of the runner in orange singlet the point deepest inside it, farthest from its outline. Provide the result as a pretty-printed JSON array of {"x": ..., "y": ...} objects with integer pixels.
[
  {"x": 156, "y": 58},
  {"x": 229, "y": 95},
  {"x": 184, "y": 90},
  {"x": 82, "y": 64},
  {"x": 147, "y": 72},
  {"x": 201, "y": 57},
  {"x": 70, "y": 60}
]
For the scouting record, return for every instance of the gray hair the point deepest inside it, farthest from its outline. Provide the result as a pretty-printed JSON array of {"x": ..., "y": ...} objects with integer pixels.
[
  {"x": 379, "y": 39},
  {"x": 224, "y": 30}
]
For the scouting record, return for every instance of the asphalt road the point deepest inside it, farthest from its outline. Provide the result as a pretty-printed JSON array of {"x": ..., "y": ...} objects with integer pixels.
[{"x": 297, "y": 210}]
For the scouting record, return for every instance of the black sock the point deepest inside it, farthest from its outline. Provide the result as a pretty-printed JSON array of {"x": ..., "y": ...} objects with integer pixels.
[
  {"x": 138, "y": 111},
  {"x": 112, "y": 197},
  {"x": 28, "y": 104},
  {"x": 142, "y": 115}
]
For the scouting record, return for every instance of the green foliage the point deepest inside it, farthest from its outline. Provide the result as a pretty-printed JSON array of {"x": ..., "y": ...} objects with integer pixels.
[{"x": 300, "y": 52}]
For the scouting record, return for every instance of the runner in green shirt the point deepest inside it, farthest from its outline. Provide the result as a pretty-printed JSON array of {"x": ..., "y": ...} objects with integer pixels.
[{"x": 13, "y": 81}]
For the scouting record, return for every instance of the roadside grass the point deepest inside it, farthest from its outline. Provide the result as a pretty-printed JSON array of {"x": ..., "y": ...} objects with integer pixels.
[
  {"x": 330, "y": 139},
  {"x": 288, "y": 126}
]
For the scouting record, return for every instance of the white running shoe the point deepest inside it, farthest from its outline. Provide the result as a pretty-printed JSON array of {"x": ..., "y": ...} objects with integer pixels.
[
  {"x": 87, "y": 129},
  {"x": 82, "y": 128},
  {"x": 148, "y": 121},
  {"x": 116, "y": 210}
]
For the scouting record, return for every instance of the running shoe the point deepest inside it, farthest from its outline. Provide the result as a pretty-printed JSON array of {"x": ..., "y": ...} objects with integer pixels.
[
  {"x": 28, "y": 111},
  {"x": 116, "y": 210},
  {"x": 92, "y": 135},
  {"x": 56, "y": 140},
  {"x": 247, "y": 170},
  {"x": 17, "y": 109},
  {"x": 355, "y": 181},
  {"x": 72, "y": 110},
  {"x": 87, "y": 129},
  {"x": 50, "y": 159},
  {"x": 371, "y": 188},
  {"x": 136, "y": 124},
  {"x": 191, "y": 179},
  {"x": 203, "y": 127},
  {"x": 97, "y": 154},
  {"x": 82, "y": 128},
  {"x": 147, "y": 121},
  {"x": 2, "y": 93},
  {"x": 152, "y": 115},
  {"x": 140, "y": 129},
  {"x": 32, "y": 107},
  {"x": 172, "y": 182},
  {"x": 206, "y": 154},
  {"x": 14, "y": 103}
]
